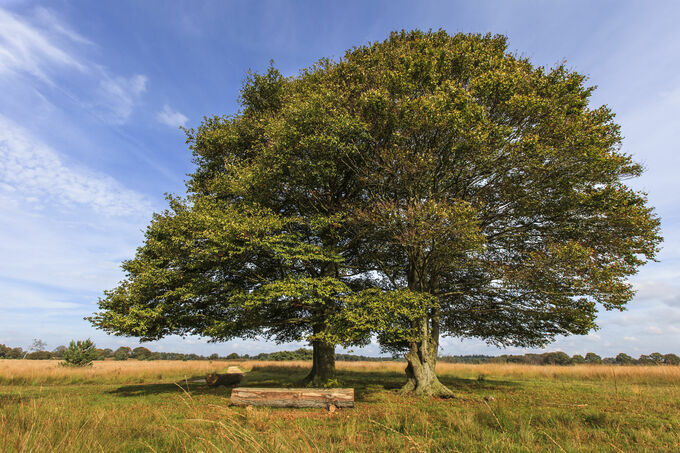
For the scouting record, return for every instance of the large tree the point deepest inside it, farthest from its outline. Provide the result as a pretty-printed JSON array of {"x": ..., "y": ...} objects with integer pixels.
[
  {"x": 258, "y": 247},
  {"x": 427, "y": 185},
  {"x": 493, "y": 188}
]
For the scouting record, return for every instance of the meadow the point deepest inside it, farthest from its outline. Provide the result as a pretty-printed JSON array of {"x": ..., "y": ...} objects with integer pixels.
[{"x": 157, "y": 406}]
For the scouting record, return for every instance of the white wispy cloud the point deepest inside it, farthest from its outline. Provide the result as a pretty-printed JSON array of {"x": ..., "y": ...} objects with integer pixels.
[
  {"x": 44, "y": 47},
  {"x": 171, "y": 117},
  {"x": 33, "y": 173},
  {"x": 24, "y": 48},
  {"x": 658, "y": 290},
  {"x": 15, "y": 296},
  {"x": 119, "y": 96},
  {"x": 65, "y": 230},
  {"x": 49, "y": 19}
]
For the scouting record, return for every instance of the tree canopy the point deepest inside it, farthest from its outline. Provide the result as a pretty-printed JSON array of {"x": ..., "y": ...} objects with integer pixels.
[{"x": 423, "y": 186}]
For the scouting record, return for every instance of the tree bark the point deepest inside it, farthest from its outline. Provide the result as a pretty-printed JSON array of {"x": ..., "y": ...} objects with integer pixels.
[
  {"x": 323, "y": 354},
  {"x": 421, "y": 378},
  {"x": 323, "y": 365}
]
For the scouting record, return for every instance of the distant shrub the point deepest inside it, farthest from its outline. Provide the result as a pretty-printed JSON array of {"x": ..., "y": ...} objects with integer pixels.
[
  {"x": 39, "y": 355},
  {"x": 577, "y": 359},
  {"x": 122, "y": 353},
  {"x": 141, "y": 353},
  {"x": 671, "y": 359},
  {"x": 593, "y": 358},
  {"x": 58, "y": 352},
  {"x": 80, "y": 353},
  {"x": 624, "y": 359}
]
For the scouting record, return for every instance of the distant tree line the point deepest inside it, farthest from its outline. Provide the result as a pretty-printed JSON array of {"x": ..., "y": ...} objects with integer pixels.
[
  {"x": 307, "y": 354},
  {"x": 122, "y": 353},
  {"x": 562, "y": 358},
  {"x": 547, "y": 358}
]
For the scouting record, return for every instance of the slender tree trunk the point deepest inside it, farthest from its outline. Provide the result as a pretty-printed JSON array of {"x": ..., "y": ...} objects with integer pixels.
[{"x": 323, "y": 365}]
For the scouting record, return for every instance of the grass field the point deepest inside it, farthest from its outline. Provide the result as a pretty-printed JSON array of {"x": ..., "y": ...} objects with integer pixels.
[{"x": 154, "y": 406}]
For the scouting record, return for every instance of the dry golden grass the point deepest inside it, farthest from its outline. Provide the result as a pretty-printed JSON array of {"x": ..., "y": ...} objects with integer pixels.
[
  {"x": 133, "y": 371},
  {"x": 106, "y": 371},
  {"x": 502, "y": 370}
]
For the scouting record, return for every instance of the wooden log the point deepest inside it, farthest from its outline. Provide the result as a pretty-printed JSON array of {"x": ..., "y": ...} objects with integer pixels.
[
  {"x": 301, "y": 397},
  {"x": 228, "y": 379}
]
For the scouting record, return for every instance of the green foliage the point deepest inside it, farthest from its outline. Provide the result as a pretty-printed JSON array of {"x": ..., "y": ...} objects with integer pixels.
[
  {"x": 556, "y": 358},
  {"x": 141, "y": 353},
  {"x": 646, "y": 360},
  {"x": 388, "y": 314},
  {"x": 122, "y": 353},
  {"x": 80, "y": 353},
  {"x": 39, "y": 355},
  {"x": 7, "y": 352},
  {"x": 593, "y": 358},
  {"x": 577, "y": 359},
  {"x": 494, "y": 186},
  {"x": 671, "y": 359},
  {"x": 657, "y": 358},
  {"x": 624, "y": 359}
]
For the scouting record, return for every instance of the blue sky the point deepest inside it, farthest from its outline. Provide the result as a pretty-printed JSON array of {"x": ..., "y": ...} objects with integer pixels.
[{"x": 92, "y": 95}]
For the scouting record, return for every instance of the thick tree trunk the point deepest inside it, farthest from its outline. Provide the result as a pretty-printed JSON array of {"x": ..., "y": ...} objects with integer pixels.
[
  {"x": 323, "y": 365},
  {"x": 323, "y": 358},
  {"x": 422, "y": 359},
  {"x": 421, "y": 378}
]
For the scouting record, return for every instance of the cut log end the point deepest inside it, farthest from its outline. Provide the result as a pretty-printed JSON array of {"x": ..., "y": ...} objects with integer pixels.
[
  {"x": 228, "y": 379},
  {"x": 302, "y": 397}
]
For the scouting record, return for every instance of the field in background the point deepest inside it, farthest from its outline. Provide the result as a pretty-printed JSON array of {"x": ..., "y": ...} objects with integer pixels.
[
  {"x": 155, "y": 406},
  {"x": 38, "y": 372}
]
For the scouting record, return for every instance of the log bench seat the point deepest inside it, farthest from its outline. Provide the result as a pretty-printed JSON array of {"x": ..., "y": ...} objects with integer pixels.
[{"x": 295, "y": 397}]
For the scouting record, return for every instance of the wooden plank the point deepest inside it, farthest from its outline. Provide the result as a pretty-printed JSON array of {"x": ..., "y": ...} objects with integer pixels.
[{"x": 300, "y": 397}]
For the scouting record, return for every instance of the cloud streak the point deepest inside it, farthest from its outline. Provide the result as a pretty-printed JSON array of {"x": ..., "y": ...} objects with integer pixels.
[
  {"x": 24, "y": 48},
  {"x": 119, "y": 96},
  {"x": 48, "y": 51},
  {"x": 171, "y": 117},
  {"x": 33, "y": 173}
]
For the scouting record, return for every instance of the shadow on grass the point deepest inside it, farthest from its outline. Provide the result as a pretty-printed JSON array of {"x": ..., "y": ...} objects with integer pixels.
[
  {"x": 12, "y": 399},
  {"x": 363, "y": 382}
]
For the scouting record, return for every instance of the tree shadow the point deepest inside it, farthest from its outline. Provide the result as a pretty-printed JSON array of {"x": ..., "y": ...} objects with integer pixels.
[
  {"x": 364, "y": 383},
  {"x": 13, "y": 399}
]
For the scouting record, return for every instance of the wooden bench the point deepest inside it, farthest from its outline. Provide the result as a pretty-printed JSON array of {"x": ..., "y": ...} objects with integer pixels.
[{"x": 300, "y": 397}]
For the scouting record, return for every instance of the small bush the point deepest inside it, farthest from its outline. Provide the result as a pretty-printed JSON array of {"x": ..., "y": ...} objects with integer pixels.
[
  {"x": 122, "y": 353},
  {"x": 80, "y": 353}
]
